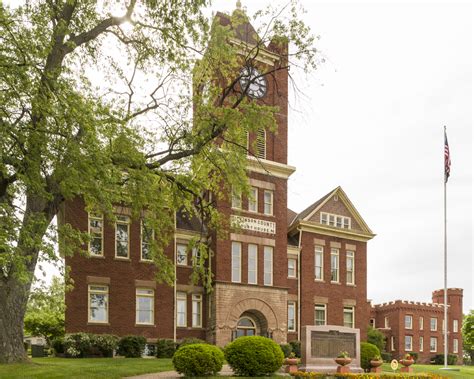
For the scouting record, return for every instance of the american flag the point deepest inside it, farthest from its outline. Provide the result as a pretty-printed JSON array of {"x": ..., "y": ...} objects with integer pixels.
[{"x": 447, "y": 158}]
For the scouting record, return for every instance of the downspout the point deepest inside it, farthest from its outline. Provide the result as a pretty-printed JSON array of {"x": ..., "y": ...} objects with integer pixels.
[
  {"x": 299, "y": 284},
  {"x": 175, "y": 279}
]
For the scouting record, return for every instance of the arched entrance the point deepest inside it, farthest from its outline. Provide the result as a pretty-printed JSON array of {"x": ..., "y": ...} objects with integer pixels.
[{"x": 246, "y": 327}]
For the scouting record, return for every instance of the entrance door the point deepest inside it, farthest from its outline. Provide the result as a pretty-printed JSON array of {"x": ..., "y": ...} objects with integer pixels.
[{"x": 246, "y": 327}]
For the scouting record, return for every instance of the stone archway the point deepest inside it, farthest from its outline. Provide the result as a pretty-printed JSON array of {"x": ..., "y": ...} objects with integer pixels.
[{"x": 256, "y": 307}]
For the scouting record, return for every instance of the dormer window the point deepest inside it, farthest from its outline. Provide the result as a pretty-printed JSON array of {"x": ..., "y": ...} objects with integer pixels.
[{"x": 335, "y": 220}]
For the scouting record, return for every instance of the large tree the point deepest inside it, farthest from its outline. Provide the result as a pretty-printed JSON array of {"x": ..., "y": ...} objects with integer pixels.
[
  {"x": 97, "y": 100},
  {"x": 468, "y": 335}
]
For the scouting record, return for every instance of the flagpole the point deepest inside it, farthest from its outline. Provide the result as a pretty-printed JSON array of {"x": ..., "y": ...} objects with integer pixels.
[{"x": 445, "y": 269}]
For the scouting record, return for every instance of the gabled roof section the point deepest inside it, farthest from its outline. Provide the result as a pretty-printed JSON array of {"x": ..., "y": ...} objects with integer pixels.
[{"x": 305, "y": 217}]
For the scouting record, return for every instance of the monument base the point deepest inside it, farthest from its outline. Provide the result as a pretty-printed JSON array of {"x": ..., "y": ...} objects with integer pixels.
[
  {"x": 377, "y": 370},
  {"x": 406, "y": 369},
  {"x": 329, "y": 369}
]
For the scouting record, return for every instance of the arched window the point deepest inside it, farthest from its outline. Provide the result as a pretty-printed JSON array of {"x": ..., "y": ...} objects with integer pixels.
[{"x": 246, "y": 327}]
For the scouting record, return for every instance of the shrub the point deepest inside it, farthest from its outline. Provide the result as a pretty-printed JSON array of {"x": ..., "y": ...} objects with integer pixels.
[
  {"x": 386, "y": 357},
  {"x": 58, "y": 345},
  {"x": 439, "y": 359},
  {"x": 105, "y": 343},
  {"x": 296, "y": 348},
  {"x": 376, "y": 337},
  {"x": 254, "y": 356},
  {"x": 198, "y": 359},
  {"x": 414, "y": 356},
  {"x": 286, "y": 348},
  {"x": 165, "y": 348},
  {"x": 131, "y": 346},
  {"x": 77, "y": 344},
  {"x": 190, "y": 341},
  {"x": 367, "y": 352}
]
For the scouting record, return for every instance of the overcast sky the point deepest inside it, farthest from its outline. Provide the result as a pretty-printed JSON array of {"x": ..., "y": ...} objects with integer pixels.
[{"x": 372, "y": 122}]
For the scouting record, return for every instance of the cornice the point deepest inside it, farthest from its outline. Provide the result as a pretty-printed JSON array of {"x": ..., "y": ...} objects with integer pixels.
[
  {"x": 264, "y": 166},
  {"x": 313, "y": 227},
  {"x": 263, "y": 56}
]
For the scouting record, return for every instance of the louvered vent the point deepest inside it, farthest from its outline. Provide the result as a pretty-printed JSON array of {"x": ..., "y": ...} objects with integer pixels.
[{"x": 261, "y": 144}]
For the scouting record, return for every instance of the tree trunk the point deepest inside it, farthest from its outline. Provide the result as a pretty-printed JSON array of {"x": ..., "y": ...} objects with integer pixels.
[{"x": 13, "y": 299}]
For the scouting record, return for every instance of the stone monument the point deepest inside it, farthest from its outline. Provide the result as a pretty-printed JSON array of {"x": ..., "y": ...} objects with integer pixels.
[{"x": 321, "y": 344}]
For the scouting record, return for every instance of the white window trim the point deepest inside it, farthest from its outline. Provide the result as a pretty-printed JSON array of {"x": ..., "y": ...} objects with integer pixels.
[
  {"x": 386, "y": 323},
  {"x": 270, "y": 250},
  {"x": 294, "y": 267},
  {"x": 410, "y": 317},
  {"x": 411, "y": 343},
  {"x": 248, "y": 264},
  {"x": 196, "y": 298},
  {"x": 141, "y": 242},
  {"x": 350, "y": 254},
  {"x": 292, "y": 304},
  {"x": 152, "y": 296},
  {"x": 435, "y": 350},
  {"x": 270, "y": 203},
  {"x": 435, "y": 324},
  {"x": 334, "y": 216},
  {"x": 455, "y": 346},
  {"x": 335, "y": 252},
  {"x": 182, "y": 296},
  {"x": 319, "y": 249},
  {"x": 102, "y": 292},
  {"x": 321, "y": 307},
  {"x": 253, "y": 194},
  {"x": 123, "y": 222},
  {"x": 185, "y": 263},
  {"x": 421, "y": 322},
  {"x": 101, "y": 219},
  {"x": 392, "y": 343},
  {"x": 352, "y": 310},
  {"x": 455, "y": 326},
  {"x": 239, "y": 279},
  {"x": 422, "y": 342}
]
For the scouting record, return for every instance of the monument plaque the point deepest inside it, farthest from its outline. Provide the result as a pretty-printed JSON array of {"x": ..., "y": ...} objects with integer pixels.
[{"x": 321, "y": 345}]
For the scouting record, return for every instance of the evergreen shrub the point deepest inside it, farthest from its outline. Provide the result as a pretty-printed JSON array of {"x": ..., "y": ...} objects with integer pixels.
[
  {"x": 198, "y": 359},
  {"x": 131, "y": 346},
  {"x": 367, "y": 352},
  {"x": 165, "y": 348},
  {"x": 287, "y": 350}
]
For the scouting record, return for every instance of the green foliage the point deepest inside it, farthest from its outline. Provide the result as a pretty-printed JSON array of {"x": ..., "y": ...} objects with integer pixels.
[
  {"x": 105, "y": 343},
  {"x": 77, "y": 345},
  {"x": 468, "y": 334},
  {"x": 254, "y": 356},
  {"x": 58, "y": 345},
  {"x": 386, "y": 357},
  {"x": 131, "y": 346},
  {"x": 198, "y": 360},
  {"x": 45, "y": 311},
  {"x": 190, "y": 341},
  {"x": 439, "y": 359},
  {"x": 367, "y": 352},
  {"x": 286, "y": 349},
  {"x": 296, "y": 348},
  {"x": 165, "y": 348},
  {"x": 376, "y": 337},
  {"x": 414, "y": 356}
]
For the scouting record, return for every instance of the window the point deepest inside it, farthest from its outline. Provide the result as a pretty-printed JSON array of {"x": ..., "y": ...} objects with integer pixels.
[
  {"x": 332, "y": 219},
  {"x": 252, "y": 264},
  {"x": 339, "y": 221},
  {"x": 421, "y": 343},
  {"x": 433, "y": 324},
  {"x": 372, "y": 322},
  {"x": 182, "y": 254},
  {"x": 291, "y": 267},
  {"x": 96, "y": 231},
  {"x": 349, "y": 317},
  {"x": 324, "y": 218},
  {"x": 291, "y": 316},
  {"x": 421, "y": 322},
  {"x": 335, "y": 220},
  {"x": 318, "y": 263},
  {"x": 392, "y": 343},
  {"x": 320, "y": 314},
  {"x": 455, "y": 345},
  {"x": 386, "y": 325},
  {"x": 268, "y": 202},
  {"x": 408, "y": 343},
  {"x": 347, "y": 222},
  {"x": 261, "y": 143},
  {"x": 455, "y": 326},
  {"x": 236, "y": 262},
  {"x": 197, "y": 311},
  {"x": 433, "y": 344},
  {"x": 335, "y": 265},
  {"x": 196, "y": 256},
  {"x": 122, "y": 230},
  {"x": 268, "y": 265},
  {"x": 408, "y": 322},
  {"x": 181, "y": 309},
  {"x": 145, "y": 306},
  {"x": 146, "y": 236},
  {"x": 98, "y": 303},
  {"x": 350, "y": 262},
  {"x": 253, "y": 199},
  {"x": 442, "y": 325},
  {"x": 236, "y": 199}
]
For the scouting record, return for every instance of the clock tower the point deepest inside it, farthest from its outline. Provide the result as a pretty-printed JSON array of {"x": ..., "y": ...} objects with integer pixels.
[{"x": 251, "y": 294}]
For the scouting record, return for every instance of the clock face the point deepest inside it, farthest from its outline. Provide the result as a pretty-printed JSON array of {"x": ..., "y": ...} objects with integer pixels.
[{"x": 258, "y": 84}]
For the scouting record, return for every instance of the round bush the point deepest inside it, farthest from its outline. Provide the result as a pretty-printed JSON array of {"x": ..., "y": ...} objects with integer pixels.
[
  {"x": 131, "y": 346},
  {"x": 165, "y": 348},
  {"x": 198, "y": 360},
  {"x": 254, "y": 356},
  {"x": 367, "y": 352},
  {"x": 190, "y": 341}
]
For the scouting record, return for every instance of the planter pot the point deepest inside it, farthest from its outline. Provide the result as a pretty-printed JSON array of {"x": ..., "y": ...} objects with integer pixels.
[
  {"x": 343, "y": 361},
  {"x": 291, "y": 365},
  {"x": 376, "y": 363},
  {"x": 407, "y": 362}
]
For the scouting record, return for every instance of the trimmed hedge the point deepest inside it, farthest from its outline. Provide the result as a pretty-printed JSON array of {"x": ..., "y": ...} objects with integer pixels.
[
  {"x": 77, "y": 345},
  {"x": 254, "y": 356},
  {"x": 190, "y": 341},
  {"x": 198, "y": 360},
  {"x": 105, "y": 344},
  {"x": 165, "y": 348},
  {"x": 286, "y": 349},
  {"x": 131, "y": 346},
  {"x": 367, "y": 352},
  {"x": 439, "y": 359}
]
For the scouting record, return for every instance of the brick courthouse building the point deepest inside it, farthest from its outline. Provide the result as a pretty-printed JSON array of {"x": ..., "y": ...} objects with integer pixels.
[{"x": 279, "y": 271}]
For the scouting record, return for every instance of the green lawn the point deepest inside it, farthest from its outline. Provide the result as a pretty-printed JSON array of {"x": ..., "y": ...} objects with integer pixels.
[
  {"x": 465, "y": 371},
  {"x": 84, "y": 368}
]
